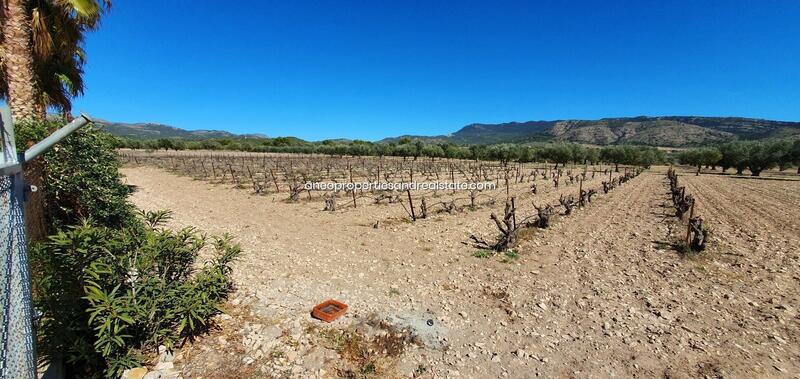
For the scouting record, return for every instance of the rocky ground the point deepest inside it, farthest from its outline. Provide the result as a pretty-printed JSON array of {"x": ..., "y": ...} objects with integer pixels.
[{"x": 601, "y": 293}]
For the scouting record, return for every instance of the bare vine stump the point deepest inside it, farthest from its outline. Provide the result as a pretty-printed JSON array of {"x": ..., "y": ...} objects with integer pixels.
[
  {"x": 568, "y": 203},
  {"x": 589, "y": 195},
  {"x": 450, "y": 207},
  {"x": 295, "y": 189},
  {"x": 683, "y": 206},
  {"x": 330, "y": 204},
  {"x": 508, "y": 231},
  {"x": 698, "y": 235},
  {"x": 544, "y": 214}
]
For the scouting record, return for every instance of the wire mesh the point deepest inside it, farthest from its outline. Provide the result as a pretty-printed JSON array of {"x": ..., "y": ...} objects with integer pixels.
[
  {"x": 17, "y": 338},
  {"x": 17, "y": 349}
]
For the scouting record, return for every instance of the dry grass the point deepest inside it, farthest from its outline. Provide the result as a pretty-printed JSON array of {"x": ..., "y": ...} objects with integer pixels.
[{"x": 368, "y": 350}]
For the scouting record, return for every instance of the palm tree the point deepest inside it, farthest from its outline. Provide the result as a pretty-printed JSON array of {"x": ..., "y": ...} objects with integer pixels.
[
  {"x": 57, "y": 29},
  {"x": 42, "y": 64},
  {"x": 19, "y": 84},
  {"x": 58, "y": 55}
]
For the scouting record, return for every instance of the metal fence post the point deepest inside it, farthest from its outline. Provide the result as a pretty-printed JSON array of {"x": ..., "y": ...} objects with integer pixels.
[{"x": 17, "y": 337}]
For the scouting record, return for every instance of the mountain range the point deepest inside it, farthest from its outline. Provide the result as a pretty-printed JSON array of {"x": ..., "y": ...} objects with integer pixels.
[
  {"x": 668, "y": 131},
  {"x": 147, "y": 130},
  {"x": 673, "y": 131}
]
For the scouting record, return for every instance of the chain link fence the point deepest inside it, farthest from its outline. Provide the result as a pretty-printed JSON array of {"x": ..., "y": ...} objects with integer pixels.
[{"x": 17, "y": 336}]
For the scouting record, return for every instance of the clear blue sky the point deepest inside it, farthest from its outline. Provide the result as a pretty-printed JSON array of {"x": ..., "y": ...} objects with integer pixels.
[{"x": 372, "y": 69}]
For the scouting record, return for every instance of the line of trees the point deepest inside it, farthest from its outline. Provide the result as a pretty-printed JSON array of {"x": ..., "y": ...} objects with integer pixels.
[
  {"x": 557, "y": 153},
  {"x": 755, "y": 156}
]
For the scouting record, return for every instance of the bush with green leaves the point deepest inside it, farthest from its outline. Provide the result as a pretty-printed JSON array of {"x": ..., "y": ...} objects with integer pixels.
[
  {"x": 81, "y": 175},
  {"x": 110, "y": 296},
  {"x": 111, "y": 287}
]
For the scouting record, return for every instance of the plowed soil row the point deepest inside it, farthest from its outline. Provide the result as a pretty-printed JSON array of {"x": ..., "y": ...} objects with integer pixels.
[{"x": 602, "y": 292}]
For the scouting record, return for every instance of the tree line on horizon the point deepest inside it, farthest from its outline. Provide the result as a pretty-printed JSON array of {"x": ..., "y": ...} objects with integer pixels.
[
  {"x": 754, "y": 156},
  {"x": 557, "y": 153}
]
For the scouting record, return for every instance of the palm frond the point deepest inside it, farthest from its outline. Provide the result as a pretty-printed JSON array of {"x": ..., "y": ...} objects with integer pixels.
[
  {"x": 58, "y": 29},
  {"x": 42, "y": 40}
]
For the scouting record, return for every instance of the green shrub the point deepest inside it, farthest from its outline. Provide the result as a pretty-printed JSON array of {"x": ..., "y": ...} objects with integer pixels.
[
  {"x": 82, "y": 180},
  {"x": 81, "y": 176},
  {"x": 109, "y": 296},
  {"x": 111, "y": 287}
]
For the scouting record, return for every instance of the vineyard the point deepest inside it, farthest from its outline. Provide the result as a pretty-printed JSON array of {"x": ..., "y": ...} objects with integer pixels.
[
  {"x": 285, "y": 177},
  {"x": 558, "y": 271}
]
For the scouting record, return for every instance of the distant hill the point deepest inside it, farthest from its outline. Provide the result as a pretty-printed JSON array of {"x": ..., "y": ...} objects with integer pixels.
[
  {"x": 675, "y": 131},
  {"x": 154, "y": 131},
  {"x": 668, "y": 131}
]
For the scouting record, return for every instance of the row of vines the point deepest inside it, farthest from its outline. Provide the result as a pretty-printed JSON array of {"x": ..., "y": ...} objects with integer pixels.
[
  {"x": 287, "y": 175},
  {"x": 510, "y": 227},
  {"x": 524, "y": 188},
  {"x": 684, "y": 204}
]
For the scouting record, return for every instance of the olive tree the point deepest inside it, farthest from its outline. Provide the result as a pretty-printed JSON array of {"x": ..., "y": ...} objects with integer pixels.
[{"x": 707, "y": 156}]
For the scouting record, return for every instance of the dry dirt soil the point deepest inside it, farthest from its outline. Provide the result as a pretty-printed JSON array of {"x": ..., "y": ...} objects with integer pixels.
[{"x": 601, "y": 293}]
